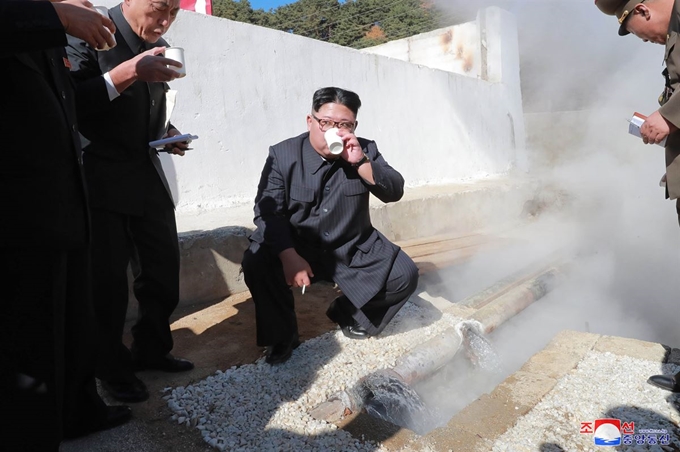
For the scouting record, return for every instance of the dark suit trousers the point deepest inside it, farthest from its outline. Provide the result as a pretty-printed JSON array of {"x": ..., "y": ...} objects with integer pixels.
[
  {"x": 46, "y": 348},
  {"x": 149, "y": 243},
  {"x": 275, "y": 307}
]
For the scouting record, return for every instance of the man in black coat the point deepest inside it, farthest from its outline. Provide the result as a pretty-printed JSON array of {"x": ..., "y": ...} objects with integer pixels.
[
  {"x": 121, "y": 104},
  {"x": 313, "y": 223},
  {"x": 46, "y": 322}
]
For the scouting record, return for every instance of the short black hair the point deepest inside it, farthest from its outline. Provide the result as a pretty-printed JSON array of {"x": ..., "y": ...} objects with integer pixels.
[{"x": 335, "y": 95}]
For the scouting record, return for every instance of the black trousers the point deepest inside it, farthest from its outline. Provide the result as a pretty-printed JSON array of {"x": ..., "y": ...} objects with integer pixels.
[
  {"x": 149, "y": 243},
  {"x": 275, "y": 306},
  {"x": 47, "y": 348}
]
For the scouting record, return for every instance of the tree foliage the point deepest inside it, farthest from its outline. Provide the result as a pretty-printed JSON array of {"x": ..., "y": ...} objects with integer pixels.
[{"x": 352, "y": 23}]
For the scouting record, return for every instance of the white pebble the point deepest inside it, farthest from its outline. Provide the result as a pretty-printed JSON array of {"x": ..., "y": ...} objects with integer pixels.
[{"x": 262, "y": 407}]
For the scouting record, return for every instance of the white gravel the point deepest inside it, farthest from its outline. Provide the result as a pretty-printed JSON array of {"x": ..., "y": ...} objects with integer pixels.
[
  {"x": 603, "y": 385},
  {"x": 265, "y": 408}
]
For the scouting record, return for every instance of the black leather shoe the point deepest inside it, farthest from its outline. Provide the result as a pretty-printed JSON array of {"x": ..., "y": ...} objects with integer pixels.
[
  {"x": 667, "y": 382},
  {"x": 113, "y": 417},
  {"x": 129, "y": 390},
  {"x": 167, "y": 363},
  {"x": 281, "y": 352},
  {"x": 354, "y": 331}
]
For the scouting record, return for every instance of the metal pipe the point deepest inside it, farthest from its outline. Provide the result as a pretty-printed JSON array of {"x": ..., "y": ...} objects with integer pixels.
[{"x": 428, "y": 357}]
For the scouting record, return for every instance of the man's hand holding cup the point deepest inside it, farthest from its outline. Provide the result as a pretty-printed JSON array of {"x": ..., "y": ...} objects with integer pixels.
[
  {"x": 81, "y": 20},
  {"x": 152, "y": 66},
  {"x": 352, "y": 151}
]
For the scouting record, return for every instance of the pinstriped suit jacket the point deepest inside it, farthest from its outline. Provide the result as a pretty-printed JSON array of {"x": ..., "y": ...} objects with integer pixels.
[{"x": 321, "y": 209}]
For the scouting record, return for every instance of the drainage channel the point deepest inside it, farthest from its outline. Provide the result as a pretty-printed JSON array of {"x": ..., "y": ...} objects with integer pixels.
[{"x": 394, "y": 394}]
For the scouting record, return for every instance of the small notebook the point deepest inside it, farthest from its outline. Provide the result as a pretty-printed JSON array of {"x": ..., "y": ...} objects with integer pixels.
[{"x": 636, "y": 122}]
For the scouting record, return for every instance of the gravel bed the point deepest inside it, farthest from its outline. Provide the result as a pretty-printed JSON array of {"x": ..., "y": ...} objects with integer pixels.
[
  {"x": 603, "y": 385},
  {"x": 265, "y": 408}
]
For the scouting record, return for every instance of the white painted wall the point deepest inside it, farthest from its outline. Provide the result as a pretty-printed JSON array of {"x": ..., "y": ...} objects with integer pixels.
[
  {"x": 486, "y": 48},
  {"x": 249, "y": 87},
  {"x": 453, "y": 49}
]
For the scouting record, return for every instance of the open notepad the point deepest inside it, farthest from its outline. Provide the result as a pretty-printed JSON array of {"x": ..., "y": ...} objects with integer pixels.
[{"x": 636, "y": 122}]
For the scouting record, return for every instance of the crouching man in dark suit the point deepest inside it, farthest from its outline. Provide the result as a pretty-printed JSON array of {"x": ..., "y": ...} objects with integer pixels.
[{"x": 313, "y": 223}]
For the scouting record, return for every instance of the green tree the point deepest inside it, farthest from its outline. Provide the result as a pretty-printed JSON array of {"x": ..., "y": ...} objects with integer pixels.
[
  {"x": 240, "y": 11},
  {"x": 352, "y": 23}
]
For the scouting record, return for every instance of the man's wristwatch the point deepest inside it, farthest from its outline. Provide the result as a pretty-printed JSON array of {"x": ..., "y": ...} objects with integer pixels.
[{"x": 362, "y": 161}]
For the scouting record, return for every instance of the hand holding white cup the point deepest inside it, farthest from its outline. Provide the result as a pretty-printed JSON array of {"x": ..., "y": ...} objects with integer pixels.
[
  {"x": 104, "y": 11},
  {"x": 177, "y": 54},
  {"x": 334, "y": 141}
]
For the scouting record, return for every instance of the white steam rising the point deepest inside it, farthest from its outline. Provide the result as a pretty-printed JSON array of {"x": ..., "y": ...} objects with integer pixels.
[{"x": 580, "y": 80}]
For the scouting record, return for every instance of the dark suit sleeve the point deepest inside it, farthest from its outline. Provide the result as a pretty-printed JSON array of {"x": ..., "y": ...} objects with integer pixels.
[
  {"x": 273, "y": 227},
  {"x": 26, "y": 26},
  {"x": 389, "y": 184},
  {"x": 91, "y": 94}
]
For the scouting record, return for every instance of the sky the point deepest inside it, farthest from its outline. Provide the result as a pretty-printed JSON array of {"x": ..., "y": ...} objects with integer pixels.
[{"x": 268, "y": 4}]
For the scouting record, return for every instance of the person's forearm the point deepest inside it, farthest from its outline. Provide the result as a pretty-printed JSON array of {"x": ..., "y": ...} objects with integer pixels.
[
  {"x": 288, "y": 252},
  {"x": 366, "y": 172},
  {"x": 123, "y": 76}
]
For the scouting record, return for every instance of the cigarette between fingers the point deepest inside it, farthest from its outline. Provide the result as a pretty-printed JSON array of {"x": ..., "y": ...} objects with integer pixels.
[{"x": 303, "y": 289}]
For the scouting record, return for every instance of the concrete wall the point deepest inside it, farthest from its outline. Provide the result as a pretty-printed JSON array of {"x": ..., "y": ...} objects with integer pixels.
[
  {"x": 249, "y": 87},
  {"x": 486, "y": 48},
  {"x": 453, "y": 49}
]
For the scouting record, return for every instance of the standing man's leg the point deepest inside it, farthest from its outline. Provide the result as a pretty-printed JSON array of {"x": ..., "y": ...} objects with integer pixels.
[
  {"x": 668, "y": 382},
  {"x": 84, "y": 410},
  {"x": 156, "y": 270},
  {"x": 31, "y": 348},
  {"x": 110, "y": 259}
]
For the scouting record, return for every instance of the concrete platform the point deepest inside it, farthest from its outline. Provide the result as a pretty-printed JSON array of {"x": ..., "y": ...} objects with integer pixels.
[
  {"x": 222, "y": 335},
  {"x": 212, "y": 243},
  {"x": 481, "y": 426}
]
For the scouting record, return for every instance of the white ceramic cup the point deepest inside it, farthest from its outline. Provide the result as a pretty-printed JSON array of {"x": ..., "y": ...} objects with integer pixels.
[
  {"x": 335, "y": 144},
  {"x": 104, "y": 11},
  {"x": 177, "y": 54}
]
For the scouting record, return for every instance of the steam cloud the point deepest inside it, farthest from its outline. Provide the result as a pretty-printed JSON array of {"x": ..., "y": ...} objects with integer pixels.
[{"x": 580, "y": 80}]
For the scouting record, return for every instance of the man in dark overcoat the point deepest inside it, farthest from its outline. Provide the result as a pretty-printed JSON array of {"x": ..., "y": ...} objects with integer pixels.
[
  {"x": 313, "y": 223},
  {"x": 46, "y": 322},
  {"x": 121, "y": 104}
]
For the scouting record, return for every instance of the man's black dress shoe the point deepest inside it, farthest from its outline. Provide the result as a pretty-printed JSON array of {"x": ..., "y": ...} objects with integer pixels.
[
  {"x": 131, "y": 389},
  {"x": 667, "y": 382},
  {"x": 281, "y": 352},
  {"x": 113, "y": 417},
  {"x": 167, "y": 363},
  {"x": 350, "y": 328},
  {"x": 354, "y": 331}
]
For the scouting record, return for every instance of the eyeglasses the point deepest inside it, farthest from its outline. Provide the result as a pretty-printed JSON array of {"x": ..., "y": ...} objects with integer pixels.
[{"x": 327, "y": 124}]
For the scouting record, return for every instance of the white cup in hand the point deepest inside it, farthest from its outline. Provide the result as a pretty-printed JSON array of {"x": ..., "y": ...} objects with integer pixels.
[
  {"x": 335, "y": 144},
  {"x": 177, "y": 54},
  {"x": 104, "y": 11}
]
